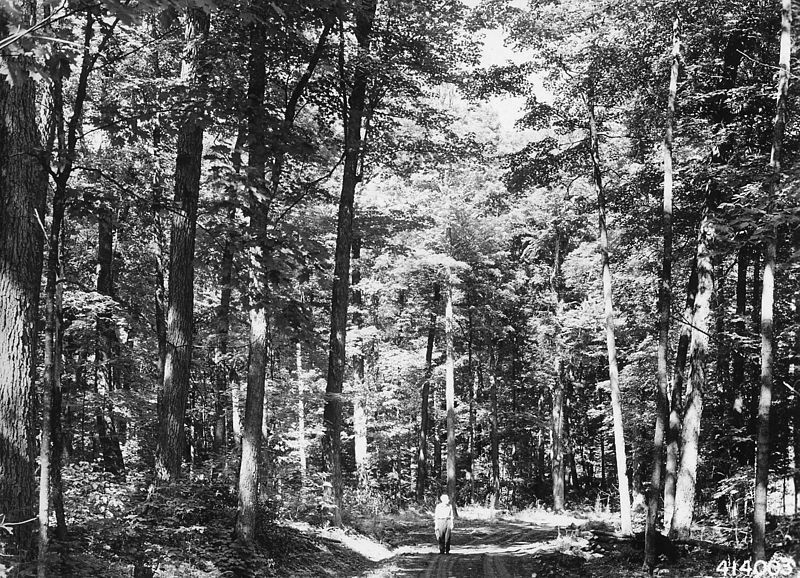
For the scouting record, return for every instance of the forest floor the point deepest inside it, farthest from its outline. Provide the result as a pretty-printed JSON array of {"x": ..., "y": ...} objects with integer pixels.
[{"x": 116, "y": 530}]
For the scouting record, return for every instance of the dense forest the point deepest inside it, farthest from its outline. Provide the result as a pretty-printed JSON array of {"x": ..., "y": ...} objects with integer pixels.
[{"x": 275, "y": 275}]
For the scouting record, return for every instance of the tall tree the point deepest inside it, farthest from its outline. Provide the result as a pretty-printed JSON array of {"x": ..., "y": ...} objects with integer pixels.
[
  {"x": 174, "y": 392},
  {"x": 353, "y": 108},
  {"x": 664, "y": 310},
  {"x": 608, "y": 305},
  {"x": 767, "y": 292},
  {"x": 247, "y": 515},
  {"x": 23, "y": 184},
  {"x": 449, "y": 386},
  {"x": 65, "y": 137}
]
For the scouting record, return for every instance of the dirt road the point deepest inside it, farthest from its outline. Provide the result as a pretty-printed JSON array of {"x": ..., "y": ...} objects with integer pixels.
[{"x": 499, "y": 549}]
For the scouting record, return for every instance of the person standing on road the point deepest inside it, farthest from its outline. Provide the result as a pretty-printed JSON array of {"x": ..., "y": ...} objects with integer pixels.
[{"x": 443, "y": 523}]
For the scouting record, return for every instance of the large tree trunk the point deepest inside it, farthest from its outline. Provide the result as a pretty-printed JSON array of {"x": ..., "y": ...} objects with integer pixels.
[
  {"x": 23, "y": 184},
  {"x": 354, "y": 108},
  {"x": 247, "y": 515},
  {"x": 767, "y": 293},
  {"x": 664, "y": 310},
  {"x": 180, "y": 310},
  {"x": 449, "y": 386},
  {"x": 676, "y": 401},
  {"x": 425, "y": 426},
  {"x": 690, "y": 433},
  {"x": 613, "y": 372}
]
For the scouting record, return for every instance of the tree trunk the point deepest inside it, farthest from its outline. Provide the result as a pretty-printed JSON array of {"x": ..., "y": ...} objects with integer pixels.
[
  {"x": 23, "y": 184},
  {"x": 51, "y": 377},
  {"x": 236, "y": 410},
  {"x": 450, "y": 397},
  {"x": 332, "y": 415},
  {"x": 247, "y": 514},
  {"x": 690, "y": 433},
  {"x": 494, "y": 432},
  {"x": 767, "y": 293},
  {"x": 106, "y": 348},
  {"x": 676, "y": 402},
  {"x": 472, "y": 376},
  {"x": 436, "y": 435},
  {"x": 557, "y": 433},
  {"x": 425, "y": 421},
  {"x": 613, "y": 372},
  {"x": 664, "y": 310},
  {"x": 180, "y": 310},
  {"x": 557, "y": 424}
]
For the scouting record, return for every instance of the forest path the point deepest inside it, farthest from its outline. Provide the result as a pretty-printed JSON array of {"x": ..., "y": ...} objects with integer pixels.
[{"x": 481, "y": 549}]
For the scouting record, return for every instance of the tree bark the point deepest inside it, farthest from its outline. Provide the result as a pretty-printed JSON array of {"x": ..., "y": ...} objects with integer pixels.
[
  {"x": 613, "y": 372},
  {"x": 247, "y": 514},
  {"x": 690, "y": 433},
  {"x": 354, "y": 108},
  {"x": 767, "y": 293},
  {"x": 180, "y": 310},
  {"x": 676, "y": 402},
  {"x": 23, "y": 184},
  {"x": 664, "y": 310}
]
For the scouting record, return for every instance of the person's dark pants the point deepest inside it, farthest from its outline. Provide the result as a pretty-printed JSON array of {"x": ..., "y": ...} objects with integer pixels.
[{"x": 443, "y": 531}]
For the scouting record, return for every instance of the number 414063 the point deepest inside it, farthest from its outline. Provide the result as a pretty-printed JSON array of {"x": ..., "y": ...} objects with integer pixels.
[{"x": 778, "y": 566}]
